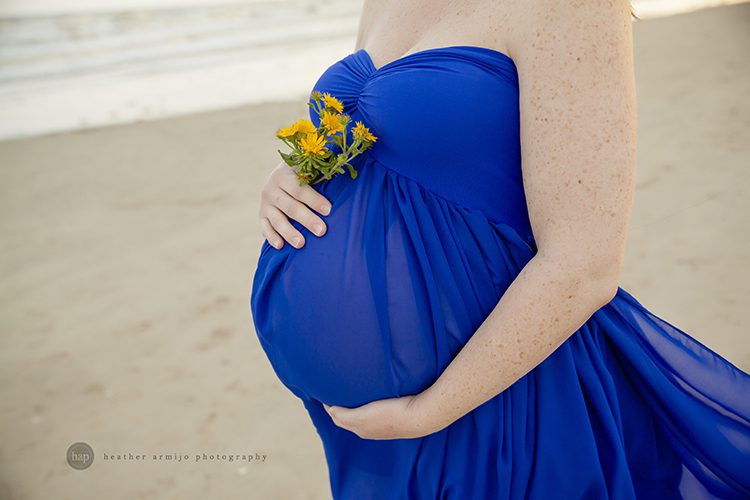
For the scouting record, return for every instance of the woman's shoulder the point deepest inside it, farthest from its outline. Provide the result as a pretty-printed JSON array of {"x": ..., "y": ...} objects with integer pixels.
[{"x": 559, "y": 27}]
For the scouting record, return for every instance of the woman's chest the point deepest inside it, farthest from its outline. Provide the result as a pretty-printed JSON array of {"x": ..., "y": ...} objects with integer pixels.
[{"x": 433, "y": 106}]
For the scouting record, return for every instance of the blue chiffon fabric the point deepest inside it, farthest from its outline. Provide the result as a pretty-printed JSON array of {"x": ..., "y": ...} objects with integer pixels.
[{"x": 419, "y": 250}]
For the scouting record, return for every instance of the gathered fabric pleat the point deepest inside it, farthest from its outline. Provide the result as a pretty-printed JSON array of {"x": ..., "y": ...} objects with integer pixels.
[{"x": 628, "y": 407}]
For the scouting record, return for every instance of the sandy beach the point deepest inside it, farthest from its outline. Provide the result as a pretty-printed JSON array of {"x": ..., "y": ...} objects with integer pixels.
[{"x": 129, "y": 252}]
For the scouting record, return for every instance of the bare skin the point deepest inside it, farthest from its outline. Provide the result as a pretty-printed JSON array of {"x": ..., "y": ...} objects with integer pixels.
[
  {"x": 578, "y": 138},
  {"x": 282, "y": 198}
]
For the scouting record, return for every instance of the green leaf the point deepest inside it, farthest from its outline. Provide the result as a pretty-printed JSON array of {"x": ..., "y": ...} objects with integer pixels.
[
  {"x": 288, "y": 159},
  {"x": 352, "y": 171}
]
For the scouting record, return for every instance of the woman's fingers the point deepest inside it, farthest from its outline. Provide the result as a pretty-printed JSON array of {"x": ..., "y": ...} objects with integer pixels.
[
  {"x": 281, "y": 224},
  {"x": 274, "y": 238},
  {"x": 296, "y": 206},
  {"x": 302, "y": 214},
  {"x": 307, "y": 195},
  {"x": 283, "y": 199}
]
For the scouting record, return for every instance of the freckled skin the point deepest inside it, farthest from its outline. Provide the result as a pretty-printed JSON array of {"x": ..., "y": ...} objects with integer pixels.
[{"x": 578, "y": 140}]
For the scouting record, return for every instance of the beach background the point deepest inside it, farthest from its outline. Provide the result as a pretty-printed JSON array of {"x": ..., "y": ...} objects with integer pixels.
[{"x": 134, "y": 140}]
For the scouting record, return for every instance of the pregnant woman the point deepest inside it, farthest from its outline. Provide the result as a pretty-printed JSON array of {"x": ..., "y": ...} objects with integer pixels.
[{"x": 456, "y": 329}]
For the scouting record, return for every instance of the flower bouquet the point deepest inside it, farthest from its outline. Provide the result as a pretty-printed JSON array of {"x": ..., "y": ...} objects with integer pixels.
[{"x": 312, "y": 148}]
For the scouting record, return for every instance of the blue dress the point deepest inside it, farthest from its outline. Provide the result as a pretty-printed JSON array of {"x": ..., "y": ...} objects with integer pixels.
[{"x": 419, "y": 250}]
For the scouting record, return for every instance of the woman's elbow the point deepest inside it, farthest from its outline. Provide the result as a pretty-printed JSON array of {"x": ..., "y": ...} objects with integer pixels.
[
  {"x": 604, "y": 276},
  {"x": 597, "y": 276}
]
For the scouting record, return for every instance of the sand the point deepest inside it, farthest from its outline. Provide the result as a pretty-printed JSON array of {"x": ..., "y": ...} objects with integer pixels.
[{"x": 128, "y": 254}]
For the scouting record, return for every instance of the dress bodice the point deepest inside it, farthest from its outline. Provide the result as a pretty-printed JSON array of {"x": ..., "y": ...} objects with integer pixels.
[{"x": 449, "y": 109}]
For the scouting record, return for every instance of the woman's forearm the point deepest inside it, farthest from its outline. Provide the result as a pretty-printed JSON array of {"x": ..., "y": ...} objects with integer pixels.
[{"x": 546, "y": 303}]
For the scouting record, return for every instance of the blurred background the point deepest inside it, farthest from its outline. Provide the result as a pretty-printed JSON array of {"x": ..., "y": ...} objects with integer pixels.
[{"x": 134, "y": 139}]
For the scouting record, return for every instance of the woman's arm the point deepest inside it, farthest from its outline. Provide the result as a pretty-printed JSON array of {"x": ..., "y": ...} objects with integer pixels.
[{"x": 578, "y": 143}]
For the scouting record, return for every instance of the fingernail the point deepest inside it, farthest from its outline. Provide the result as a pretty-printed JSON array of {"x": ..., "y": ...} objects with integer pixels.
[
  {"x": 318, "y": 229},
  {"x": 325, "y": 209},
  {"x": 297, "y": 242}
]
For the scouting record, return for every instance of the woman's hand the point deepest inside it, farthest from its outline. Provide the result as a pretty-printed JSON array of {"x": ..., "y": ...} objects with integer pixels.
[
  {"x": 282, "y": 198},
  {"x": 391, "y": 418}
]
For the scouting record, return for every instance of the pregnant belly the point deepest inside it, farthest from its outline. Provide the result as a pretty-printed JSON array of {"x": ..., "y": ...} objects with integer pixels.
[{"x": 379, "y": 305}]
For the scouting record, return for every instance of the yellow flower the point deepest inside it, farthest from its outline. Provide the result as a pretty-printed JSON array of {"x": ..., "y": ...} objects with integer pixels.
[
  {"x": 313, "y": 144},
  {"x": 332, "y": 102},
  {"x": 363, "y": 132},
  {"x": 288, "y": 131},
  {"x": 306, "y": 126},
  {"x": 301, "y": 125},
  {"x": 332, "y": 122}
]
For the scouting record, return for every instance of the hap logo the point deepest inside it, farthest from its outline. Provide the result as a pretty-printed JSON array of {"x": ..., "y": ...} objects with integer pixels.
[{"x": 80, "y": 455}]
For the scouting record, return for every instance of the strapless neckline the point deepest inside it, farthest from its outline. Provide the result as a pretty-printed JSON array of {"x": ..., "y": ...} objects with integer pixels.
[{"x": 500, "y": 56}]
